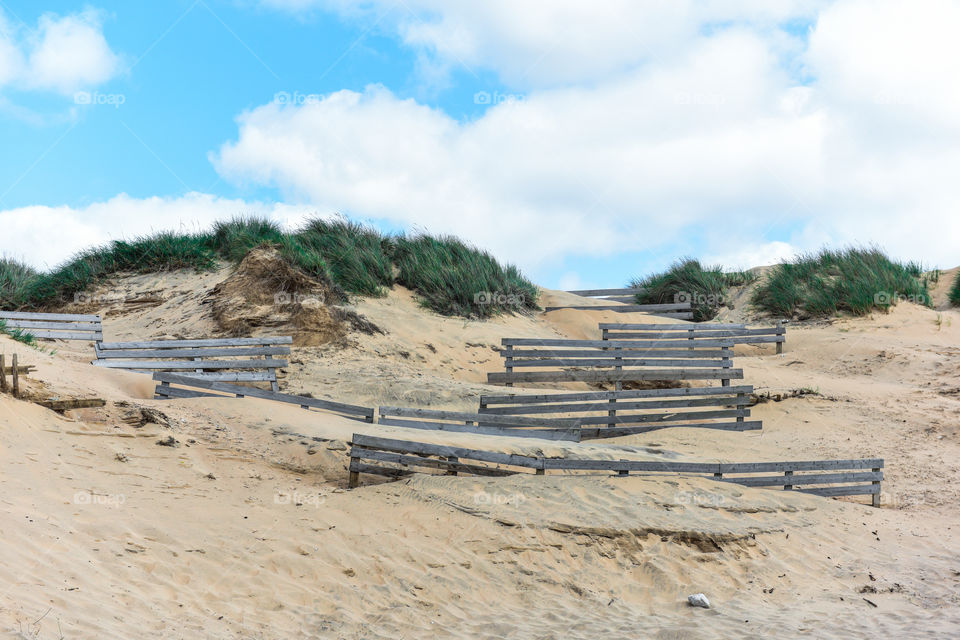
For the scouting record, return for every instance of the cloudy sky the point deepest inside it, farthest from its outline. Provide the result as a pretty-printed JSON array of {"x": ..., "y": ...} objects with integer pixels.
[{"x": 587, "y": 142}]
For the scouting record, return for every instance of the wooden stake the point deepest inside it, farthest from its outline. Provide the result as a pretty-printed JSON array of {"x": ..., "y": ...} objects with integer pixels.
[
  {"x": 16, "y": 378},
  {"x": 3, "y": 373}
]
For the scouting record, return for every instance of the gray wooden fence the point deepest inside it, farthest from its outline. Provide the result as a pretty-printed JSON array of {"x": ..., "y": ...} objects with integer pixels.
[
  {"x": 621, "y": 413},
  {"x": 203, "y": 358},
  {"x": 501, "y": 425},
  {"x": 166, "y": 390},
  {"x": 735, "y": 333},
  {"x": 396, "y": 458},
  {"x": 55, "y": 326},
  {"x": 615, "y": 361}
]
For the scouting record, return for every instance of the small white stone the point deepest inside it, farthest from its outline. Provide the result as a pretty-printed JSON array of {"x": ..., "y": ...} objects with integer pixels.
[{"x": 698, "y": 600}]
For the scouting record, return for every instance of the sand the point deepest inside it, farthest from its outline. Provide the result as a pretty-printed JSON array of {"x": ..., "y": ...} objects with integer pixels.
[{"x": 245, "y": 529}]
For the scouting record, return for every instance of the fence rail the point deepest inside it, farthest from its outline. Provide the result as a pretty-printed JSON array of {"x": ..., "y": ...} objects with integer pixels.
[
  {"x": 735, "y": 333},
  {"x": 165, "y": 390},
  {"x": 55, "y": 326},
  {"x": 501, "y": 425},
  {"x": 854, "y": 477}
]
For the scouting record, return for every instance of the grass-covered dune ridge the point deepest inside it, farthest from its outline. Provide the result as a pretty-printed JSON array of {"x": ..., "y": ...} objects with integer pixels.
[
  {"x": 688, "y": 280},
  {"x": 852, "y": 280},
  {"x": 448, "y": 275},
  {"x": 954, "y": 295}
]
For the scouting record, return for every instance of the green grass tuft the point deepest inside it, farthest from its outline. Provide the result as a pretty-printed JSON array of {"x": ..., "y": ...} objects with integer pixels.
[
  {"x": 687, "y": 280},
  {"x": 233, "y": 239},
  {"x": 453, "y": 278},
  {"x": 850, "y": 280},
  {"x": 954, "y": 295},
  {"x": 359, "y": 256},
  {"x": 20, "y": 336}
]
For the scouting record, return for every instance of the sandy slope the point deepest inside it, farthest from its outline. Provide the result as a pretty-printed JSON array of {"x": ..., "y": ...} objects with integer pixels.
[{"x": 245, "y": 530}]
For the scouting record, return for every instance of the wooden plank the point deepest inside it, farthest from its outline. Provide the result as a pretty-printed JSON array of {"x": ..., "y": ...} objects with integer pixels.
[
  {"x": 3, "y": 373},
  {"x": 362, "y": 453},
  {"x": 192, "y": 353},
  {"x": 683, "y": 326},
  {"x": 375, "y": 470},
  {"x": 833, "y": 492},
  {"x": 593, "y": 407},
  {"x": 56, "y": 326},
  {"x": 800, "y": 465},
  {"x": 63, "y": 317},
  {"x": 621, "y": 362},
  {"x": 671, "y": 416},
  {"x": 616, "y": 353},
  {"x": 15, "y": 376},
  {"x": 686, "y": 334},
  {"x": 571, "y": 435},
  {"x": 512, "y": 421},
  {"x": 805, "y": 480},
  {"x": 735, "y": 339},
  {"x": 627, "y": 375},
  {"x": 608, "y": 344},
  {"x": 202, "y": 342},
  {"x": 593, "y": 433},
  {"x": 448, "y": 451},
  {"x": 177, "y": 392},
  {"x": 66, "y": 335},
  {"x": 191, "y": 364},
  {"x": 22, "y": 369},
  {"x": 574, "y": 464},
  {"x": 609, "y": 395},
  {"x": 592, "y": 293},
  {"x": 70, "y": 405},
  {"x": 253, "y": 392},
  {"x": 679, "y": 315},
  {"x": 671, "y": 306}
]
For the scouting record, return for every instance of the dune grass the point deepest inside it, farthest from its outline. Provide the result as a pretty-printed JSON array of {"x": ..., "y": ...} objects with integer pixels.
[
  {"x": 830, "y": 282},
  {"x": 20, "y": 335},
  {"x": 447, "y": 274},
  {"x": 688, "y": 280},
  {"x": 954, "y": 295},
  {"x": 453, "y": 278}
]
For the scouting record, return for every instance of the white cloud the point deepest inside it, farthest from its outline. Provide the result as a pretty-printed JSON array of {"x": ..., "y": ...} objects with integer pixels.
[
  {"x": 62, "y": 54},
  {"x": 49, "y": 235}
]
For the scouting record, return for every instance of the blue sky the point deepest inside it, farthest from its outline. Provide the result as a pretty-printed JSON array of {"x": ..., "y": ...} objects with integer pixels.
[{"x": 587, "y": 142}]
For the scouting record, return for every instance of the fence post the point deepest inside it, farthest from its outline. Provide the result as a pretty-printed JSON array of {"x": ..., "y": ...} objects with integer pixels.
[
  {"x": 508, "y": 362},
  {"x": 3, "y": 373},
  {"x": 788, "y": 487},
  {"x": 726, "y": 363},
  {"x": 875, "y": 498},
  {"x": 623, "y": 472},
  {"x": 16, "y": 378},
  {"x": 612, "y": 412},
  {"x": 779, "y": 333}
]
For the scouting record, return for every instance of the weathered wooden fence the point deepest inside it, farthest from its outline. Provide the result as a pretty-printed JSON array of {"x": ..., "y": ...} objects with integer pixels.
[
  {"x": 501, "y": 425},
  {"x": 55, "y": 326},
  {"x": 735, "y": 333}
]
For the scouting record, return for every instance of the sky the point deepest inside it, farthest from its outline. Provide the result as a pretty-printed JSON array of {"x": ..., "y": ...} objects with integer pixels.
[{"x": 586, "y": 142}]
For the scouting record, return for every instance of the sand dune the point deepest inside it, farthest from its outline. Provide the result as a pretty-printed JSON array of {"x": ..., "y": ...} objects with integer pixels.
[{"x": 245, "y": 529}]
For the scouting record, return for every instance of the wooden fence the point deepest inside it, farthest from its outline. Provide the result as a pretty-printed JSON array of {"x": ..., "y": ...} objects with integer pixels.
[
  {"x": 615, "y": 361},
  {"x": 679, "y": 310},
  {"x": 735, "y": 333},
  {"x": 624, "y": 413},
  {"x": 396, "y": 458},
  {"x": 165, "y": 390},
  {"x": 201, "y": 358},
  {"x": 458, "y": 421},
  {"x": 55, "y": 326}
]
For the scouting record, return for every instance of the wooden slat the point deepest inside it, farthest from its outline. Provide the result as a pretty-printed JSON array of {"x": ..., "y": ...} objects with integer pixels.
[
  {"x": 592, "y": 407},
  {"x": 615, "y": 353},
  {"x": 626, "y": 326},
  {"x": 202, "y": 342},
  {"x": 649, "y": 308},
  {"x": 422, "y": 448},
  {"x": 512, "y": 421},
  {"x": 191, "y": 353},
  {"x": 800, "y": 465},
  {"x": 574, "y": 464},
  {"x": 805, "y": 480},
  {"x": 361, "y": 453},
  {"x": 192, "y": 364},
  {"x": 176, "y": 392},
  {"x": 571, "y": 435},
  {"x": 672, "y": 416},
  {"x": 608, "y": 395},
  {"x": 253, "y": 392},
  {"x": 55, "y": 326},
  {"x": 66, "y": 335},
  {"x": 592, "y": 433},
  {"x": 610, "y": 375},
  {"x": 869, "y": 489},
  {"x": 620, "y": 362},
  {"x": 61, "y": 317},
  {"x": 686, "y": 334},
  {"x": 756, "y": 339},
  {"x": 607, "y": 344},
  {"x": 592, "y": 293}
]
